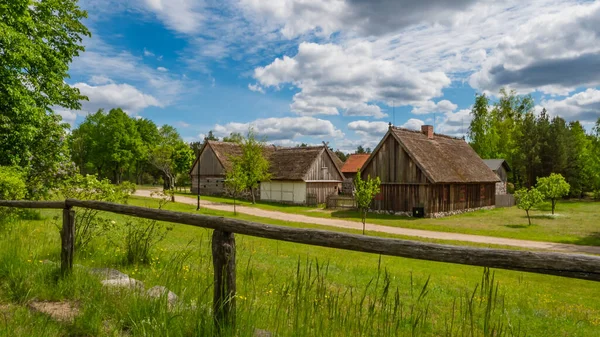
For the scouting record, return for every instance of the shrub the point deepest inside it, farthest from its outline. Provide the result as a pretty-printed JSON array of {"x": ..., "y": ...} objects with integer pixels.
[
  {"x": 12, "y": 187},
  {"x": 88, "y": 223},
  {"x": 142, "y": 235},
  {"x": 510, "y": 188}
]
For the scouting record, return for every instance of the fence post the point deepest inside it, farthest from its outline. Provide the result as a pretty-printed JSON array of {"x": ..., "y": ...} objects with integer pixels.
[
  {"x": 223, "y": 253},
  {"x": 67, "y": 235}
]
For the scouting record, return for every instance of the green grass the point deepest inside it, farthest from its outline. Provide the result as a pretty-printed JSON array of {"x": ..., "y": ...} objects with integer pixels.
[
  {"x": 577, "y": 221},
  {"x": 289, "y": 289}
]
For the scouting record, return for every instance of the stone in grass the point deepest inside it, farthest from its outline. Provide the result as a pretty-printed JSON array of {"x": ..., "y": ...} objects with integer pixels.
[
  {"x": 262, "y": 333},
  {"x": 124, "y": 283},
  {"x": 160, "y": 291},
  {"x": 108, "y": 273},
  {"x": 59, "y": 311}
]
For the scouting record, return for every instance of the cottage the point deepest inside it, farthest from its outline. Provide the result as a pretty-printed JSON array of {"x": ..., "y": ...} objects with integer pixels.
[
  {"x": 424, "y": 173},
  {"x": 302, "y": 175},
  {"x": 353, "y": 163},
  {"x": 215, "y": 160},
  {"x": 501, "y": 168}
]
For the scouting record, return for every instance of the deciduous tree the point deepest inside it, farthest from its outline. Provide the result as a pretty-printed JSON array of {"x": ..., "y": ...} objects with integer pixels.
[
  {"x": 553, "y": 187},
  {"x": 365, "y": 191},
  {"x": 527, "y": 199}
]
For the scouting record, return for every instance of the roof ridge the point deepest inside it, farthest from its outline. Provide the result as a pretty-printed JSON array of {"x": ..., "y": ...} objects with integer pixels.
[{"x": 419, "y": 132}]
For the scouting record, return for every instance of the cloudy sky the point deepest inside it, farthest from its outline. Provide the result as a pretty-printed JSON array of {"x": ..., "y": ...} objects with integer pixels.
[{"x": 334, "y": 70}]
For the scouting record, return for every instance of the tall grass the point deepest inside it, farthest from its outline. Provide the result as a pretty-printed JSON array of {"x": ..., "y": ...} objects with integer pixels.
[{"x": 298, "y": 299}]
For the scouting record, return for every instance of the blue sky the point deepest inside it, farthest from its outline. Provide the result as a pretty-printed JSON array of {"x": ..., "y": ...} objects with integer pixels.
[{"x": 333, "y": 70}]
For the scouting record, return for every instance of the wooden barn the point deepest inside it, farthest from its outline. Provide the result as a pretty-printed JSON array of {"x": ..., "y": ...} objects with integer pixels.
[
  {"x": 501, "y": 168},
  {"x": 302, "y": 175},
  {"x": 214, "y": 162},
  {"x": 353, "y": 163},
  {"x": 422, "y": 171}
]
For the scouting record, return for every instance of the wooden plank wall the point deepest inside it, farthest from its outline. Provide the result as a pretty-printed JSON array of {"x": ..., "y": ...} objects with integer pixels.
[
  {"x": 321, "y": 190},
  {"x": 393, "y": 165},
  {"x": 209, "y": 185},
  {"x": 434, "y": 198},
  {"x": 323, "y": 169}
]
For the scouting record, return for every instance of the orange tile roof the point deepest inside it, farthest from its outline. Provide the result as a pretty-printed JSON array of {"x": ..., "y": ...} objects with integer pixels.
[{"x": 354, "y": 163}]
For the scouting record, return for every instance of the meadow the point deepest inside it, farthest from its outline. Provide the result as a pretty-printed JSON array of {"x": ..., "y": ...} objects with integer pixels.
[
  {"x": 575, "y": 222},
  {"x": 285, "y": 288}
]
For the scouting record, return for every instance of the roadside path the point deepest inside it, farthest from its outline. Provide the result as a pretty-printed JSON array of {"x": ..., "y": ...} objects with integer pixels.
[{"x": 559, "y": 247}]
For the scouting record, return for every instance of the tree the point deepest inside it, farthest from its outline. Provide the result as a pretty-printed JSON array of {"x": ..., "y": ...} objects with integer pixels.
[
  {"x": 235, "y": 179},
  {"x": 253, "y": 161},
  {"x": 482, "y": 133},
  {"x": 341, "y": 155},
  {"x": 234, "y": 137},
  {"x": 39, "y": 40},
  {"x": 360, "y": 150},
  {"x": 553, "y": 187},
  {"x": 171, "y": 156},
  {"x": 527, "y": 199},
  {"x": 365, "y": 191},
  {"x": 211, "y": 136}
]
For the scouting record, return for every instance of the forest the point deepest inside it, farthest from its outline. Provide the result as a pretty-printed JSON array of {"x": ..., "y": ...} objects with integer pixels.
[{"x": 536, "y": 145}]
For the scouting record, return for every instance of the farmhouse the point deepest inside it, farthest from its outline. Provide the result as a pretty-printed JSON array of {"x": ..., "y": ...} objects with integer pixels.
[
  {"x": 353, "y": 163},
  {"x": 424, "y": 173},
  {"x": 298, "y": 175},
  {"x": 302, "y": 175},
  {"x": 501, "y": 168}
]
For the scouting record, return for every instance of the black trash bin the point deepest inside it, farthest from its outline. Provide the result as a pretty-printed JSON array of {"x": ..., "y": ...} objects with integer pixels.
[{"x": 418, "y": 212}]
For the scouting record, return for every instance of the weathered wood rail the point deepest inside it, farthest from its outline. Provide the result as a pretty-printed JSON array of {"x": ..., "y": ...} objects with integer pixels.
[{"x": 586, "y": 267}]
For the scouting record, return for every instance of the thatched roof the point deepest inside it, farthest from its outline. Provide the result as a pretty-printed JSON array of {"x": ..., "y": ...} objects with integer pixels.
[
  {"x": 336, "y": 160},
  {"x": 354, "y": 162},
  {"x": 290, "y": 163},
  {"x": 444, "y": 159},
  {"x": 494, "y": 164}
]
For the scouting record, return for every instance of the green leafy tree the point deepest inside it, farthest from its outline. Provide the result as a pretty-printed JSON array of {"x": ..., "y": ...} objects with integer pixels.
[
  {"x": 527, "y": 199},
  {"x": 211, "y": 136},
  {"x": 12, "y": 187},
  {"x": 553, "y": 187},
  {"x": 38, "y": 41},
  {"x": 360, "y": 150},
  {"x": 482, "y": 132},
  {"x": 341, "y": 155},
  {"x": 171, "y": 156},
  {"x": 235, "y": 179},
  {"x": 234, "y": 137},
  {"x": 254, "y": 162},
  {"x": 365, "y": 191}
]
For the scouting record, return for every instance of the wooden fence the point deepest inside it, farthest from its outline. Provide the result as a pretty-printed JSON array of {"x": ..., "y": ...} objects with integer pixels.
[
  {"x": 579, "y": 266},
  {"x": 505, "y": 200},
  {"x": 341, "y": 202}
]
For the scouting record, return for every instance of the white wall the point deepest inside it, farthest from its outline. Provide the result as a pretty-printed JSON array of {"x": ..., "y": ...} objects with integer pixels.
[{"x": 286, "y": 191}]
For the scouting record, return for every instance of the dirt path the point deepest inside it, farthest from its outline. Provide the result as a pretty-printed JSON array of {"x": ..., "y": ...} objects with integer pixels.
[{"x": 561, "y": 247}]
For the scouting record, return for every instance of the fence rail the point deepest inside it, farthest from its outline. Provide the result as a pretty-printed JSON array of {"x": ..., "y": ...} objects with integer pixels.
[{"x": 586, "y": 267}]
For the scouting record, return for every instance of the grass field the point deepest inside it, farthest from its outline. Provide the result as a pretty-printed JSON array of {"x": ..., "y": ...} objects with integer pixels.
[
  {"x": 577, "y": 222},
  {"x": 289, "y": 289}
]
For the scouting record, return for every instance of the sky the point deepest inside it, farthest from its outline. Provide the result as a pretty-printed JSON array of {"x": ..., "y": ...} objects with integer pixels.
[{"x": 307, "y": 71}]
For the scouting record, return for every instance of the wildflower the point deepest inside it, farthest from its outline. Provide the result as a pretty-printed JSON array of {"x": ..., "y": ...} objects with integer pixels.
[{"x": 29, "y": 261}]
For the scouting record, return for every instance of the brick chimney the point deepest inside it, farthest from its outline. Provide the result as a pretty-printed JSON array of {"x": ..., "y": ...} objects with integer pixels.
[{"x": 427, "y": 130}]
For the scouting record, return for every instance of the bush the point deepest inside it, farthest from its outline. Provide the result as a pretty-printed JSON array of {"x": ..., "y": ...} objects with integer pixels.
[
  {"x": 510, "y": 188},
  {"x": 142, "y": 235},
  {"x": 597, "y": 195},
  {"x": 88, "y": 223},
  {"x": 12, "y": 187}
]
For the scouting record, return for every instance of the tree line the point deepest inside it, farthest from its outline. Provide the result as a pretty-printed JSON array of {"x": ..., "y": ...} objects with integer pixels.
[{"x": 535, "y": 145}]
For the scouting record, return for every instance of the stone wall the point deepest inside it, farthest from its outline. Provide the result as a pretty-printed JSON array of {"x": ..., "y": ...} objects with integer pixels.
[
  {"x": 435, "y": 215},
  {"x": 501, "y": 188}
]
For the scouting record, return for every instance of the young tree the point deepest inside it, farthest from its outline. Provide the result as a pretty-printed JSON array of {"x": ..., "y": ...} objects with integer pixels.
[
  {"x": 365, "y": 191},
  {"x": 253, "y": 161},
  {"x": 527, "y": 199},
  {"x": 235, "y": 179},
  {"x": 553, "y": 187},
  {"x": 234, "y": 137}
]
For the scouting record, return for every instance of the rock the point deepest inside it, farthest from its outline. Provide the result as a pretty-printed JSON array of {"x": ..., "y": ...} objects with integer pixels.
[
  {"x": 108, "y": 273},
  {"x": 160, "y": 291},
  {"x": 262, "y": 333},
  {"x": 59, "y": 311},
  {"x": 124, "y": 283}
]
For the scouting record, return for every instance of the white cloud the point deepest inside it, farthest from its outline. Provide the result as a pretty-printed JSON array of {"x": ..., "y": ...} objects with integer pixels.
[
  {"x": 369, "y": 129},
  {"x": 333, "y": 78},
  {"x": 68, "y": 116},
  {"x": 432, "y": 107},
  {"x": 109, "y": 96},
  {"x": 413, "y": 124},
  {"x": 184, "y": 16},
  {"x": 324, "y": 17},
  {"x": 553, "y": 53},
  {"x": 182, "y": 124},
  {"x": 454, "y": 123},
  {"x": 256, "y": 87},
  {"x": 583, "y": 106},
  {"x": 162, "y": 69},
  {"x": 148, "y": 53},
  {"x": 99, "y": 80},
  {"x": 282, "y": 128}
]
